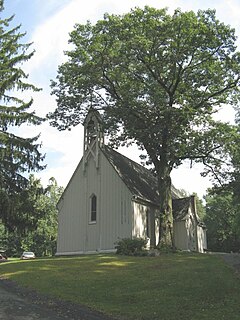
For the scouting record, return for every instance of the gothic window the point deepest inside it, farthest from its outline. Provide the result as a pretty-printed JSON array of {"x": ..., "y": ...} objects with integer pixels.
[{"x": 93, "y": 213}]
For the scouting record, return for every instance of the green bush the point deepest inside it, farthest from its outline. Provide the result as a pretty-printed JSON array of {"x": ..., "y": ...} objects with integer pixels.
[{"x": 131, "y": 247}]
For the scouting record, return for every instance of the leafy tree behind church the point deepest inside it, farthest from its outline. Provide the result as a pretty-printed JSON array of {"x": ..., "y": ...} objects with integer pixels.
[
  {"x": 18, "y": 155},
  {"x": 223, "y": 208},
  {"x": 222, "y": 220},
  {"x": 37, "y": 220},
  {"x": 157, "y": 79},
  {"x": 43, "y": 239}
]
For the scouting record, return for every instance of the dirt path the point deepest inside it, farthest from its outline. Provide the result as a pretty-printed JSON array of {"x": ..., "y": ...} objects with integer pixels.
[
  {"x": 232, "y": 259},
  {"x": 17, "y": 303}
]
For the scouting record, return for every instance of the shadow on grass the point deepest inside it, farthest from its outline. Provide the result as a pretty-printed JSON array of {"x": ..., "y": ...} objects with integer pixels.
[{"x": 172, "y": 286}]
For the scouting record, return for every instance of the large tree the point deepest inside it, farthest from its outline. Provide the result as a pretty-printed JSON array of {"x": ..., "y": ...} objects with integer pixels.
[
  {"x": 158, "y": 79},
  {"x": 18, "y": 155}
]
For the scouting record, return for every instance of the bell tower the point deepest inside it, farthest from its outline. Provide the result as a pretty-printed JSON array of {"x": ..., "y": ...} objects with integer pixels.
[{"x": 93, "y": 136}]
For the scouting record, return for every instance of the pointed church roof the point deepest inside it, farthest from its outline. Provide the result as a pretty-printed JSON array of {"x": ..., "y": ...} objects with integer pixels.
[
  {"x": 93, "y": 113},
  {"x": 140, "y": 181}
]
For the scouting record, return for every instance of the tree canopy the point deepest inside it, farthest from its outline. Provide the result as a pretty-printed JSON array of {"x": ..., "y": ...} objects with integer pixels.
[
  {"x": 223, "y": 221},
  {"x": 18, "y": 155},
  {"x": 158, "y": 80}
]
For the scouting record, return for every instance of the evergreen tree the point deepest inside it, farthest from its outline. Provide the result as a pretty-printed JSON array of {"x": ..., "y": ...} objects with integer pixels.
[{"x": 18, "y": 155}]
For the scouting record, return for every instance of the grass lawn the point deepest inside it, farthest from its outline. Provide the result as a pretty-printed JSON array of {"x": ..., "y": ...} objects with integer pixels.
[{"x": 171, "y": 286}]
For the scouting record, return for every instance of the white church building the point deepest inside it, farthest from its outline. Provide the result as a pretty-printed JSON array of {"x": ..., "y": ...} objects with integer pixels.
[{"x": 110, "y": 197}]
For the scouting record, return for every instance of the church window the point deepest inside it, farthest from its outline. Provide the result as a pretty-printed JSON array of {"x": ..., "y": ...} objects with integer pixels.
[
  {"x": 93, "y": 213},
  {"x": 147, "y": 225}
]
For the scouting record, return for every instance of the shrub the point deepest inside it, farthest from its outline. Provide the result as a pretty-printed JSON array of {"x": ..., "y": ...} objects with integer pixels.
[{"x": 131, "y": 247}]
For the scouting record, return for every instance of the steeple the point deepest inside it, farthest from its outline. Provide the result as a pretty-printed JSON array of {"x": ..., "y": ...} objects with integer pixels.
[{"x": 93, "y": 136}]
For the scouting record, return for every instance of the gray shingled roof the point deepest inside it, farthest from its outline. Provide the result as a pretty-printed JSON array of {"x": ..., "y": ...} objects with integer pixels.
[
  {"x": 181, "y": 207},
  {"x": 140, "y": 181}
]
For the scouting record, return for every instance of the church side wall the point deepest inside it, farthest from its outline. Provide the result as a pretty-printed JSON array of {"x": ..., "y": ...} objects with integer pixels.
[
  {"x": 140, "y": 220},
  {"x": 116, "y": 206},
  {"x": 145, "y": 222},
  {"x": 201, "y": 236},
  {"x": 180, "y": 235}
]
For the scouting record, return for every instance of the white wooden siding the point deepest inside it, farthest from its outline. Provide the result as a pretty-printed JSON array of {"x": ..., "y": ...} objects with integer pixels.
[
  {"x": 141, "y": 211},
  {"x": 202, "y": 239},
  {"x": 180, "y": 235},
  {"x": 72, "y": 218},
  {"x": 118, "y": 215},
  {"x": 114, "y": 210},
  {"x": 139, "y": 220}
]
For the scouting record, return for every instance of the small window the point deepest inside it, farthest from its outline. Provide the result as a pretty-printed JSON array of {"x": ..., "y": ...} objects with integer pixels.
[
  {"x": 93, "y": 216},
  {"x": 148, "y": 225}
]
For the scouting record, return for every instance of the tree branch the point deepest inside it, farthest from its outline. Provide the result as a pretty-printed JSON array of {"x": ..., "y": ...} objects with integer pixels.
[
  {"x": 216, "y": 93},
  {"x": 201, "y": 156},
  {"x": 158, "y": 79},
  {"x": 213, "y": 172}
]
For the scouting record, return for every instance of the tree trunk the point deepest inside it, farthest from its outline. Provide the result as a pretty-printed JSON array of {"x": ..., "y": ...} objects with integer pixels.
[{"x": 165, "y": 201}]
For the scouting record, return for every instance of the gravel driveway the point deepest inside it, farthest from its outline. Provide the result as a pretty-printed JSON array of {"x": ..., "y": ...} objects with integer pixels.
[
  {"x": 17, "y": 303},
  {"x": 232, "y": 259}
]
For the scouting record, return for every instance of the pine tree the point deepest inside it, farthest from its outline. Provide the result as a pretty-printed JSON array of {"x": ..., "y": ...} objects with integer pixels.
[{"x": 18, "y": 155}]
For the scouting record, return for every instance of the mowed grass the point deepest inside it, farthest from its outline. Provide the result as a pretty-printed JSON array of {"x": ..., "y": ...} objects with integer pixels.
[{"x": 171, "y": 286}]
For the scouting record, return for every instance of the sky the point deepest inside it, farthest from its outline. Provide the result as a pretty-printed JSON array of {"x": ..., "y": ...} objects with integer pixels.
[{"x": 47, "y": 24}]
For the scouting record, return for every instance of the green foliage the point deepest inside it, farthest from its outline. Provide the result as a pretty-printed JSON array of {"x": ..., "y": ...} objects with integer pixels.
[
  {"x": 36, "y": 220},
  {"x": 222, "y": 221},
  {"x": 11, "y": 243},
  {"x": 201, "y": 210},
  {"x": 158, "y": 80},
  {"x": 172, "y": 286},
  {"x": 234, "y": 184},
  {"x": 17, "y": 155},
  {"x": 45, "y": 236},
  {"x": 165, "y": 248},
  {"x": 146, "y": 67},
  {"x": 22, "y": 214},
  {"x": 131, "y": 247}
]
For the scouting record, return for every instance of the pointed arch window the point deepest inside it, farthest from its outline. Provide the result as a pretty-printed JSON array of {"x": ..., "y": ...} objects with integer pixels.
[{"x": 93, "y": 207}]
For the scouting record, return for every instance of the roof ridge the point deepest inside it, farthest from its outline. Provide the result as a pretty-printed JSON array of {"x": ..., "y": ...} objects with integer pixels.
[
  {"x": 130, "y": 160},
  {"x": 139, "y": 180}
]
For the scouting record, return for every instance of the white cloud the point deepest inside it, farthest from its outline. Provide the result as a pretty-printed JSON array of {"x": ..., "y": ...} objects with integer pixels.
[
  {"x": 190, "y": 180},
  {"x": 51, "y": 38}
]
